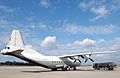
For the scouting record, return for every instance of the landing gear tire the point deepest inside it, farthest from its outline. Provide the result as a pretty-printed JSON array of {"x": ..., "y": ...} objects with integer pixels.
[
  {"x": 54, "y": 69},
  {"x": 65, "y": 68},
  {"x": 74, "y": 68},
  {"x": 110, "y": 68},
  {"x": 69, "y": 68}
]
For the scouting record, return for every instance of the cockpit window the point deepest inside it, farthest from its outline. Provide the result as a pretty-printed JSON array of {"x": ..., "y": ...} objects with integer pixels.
[{"x": 7, "y": 47}]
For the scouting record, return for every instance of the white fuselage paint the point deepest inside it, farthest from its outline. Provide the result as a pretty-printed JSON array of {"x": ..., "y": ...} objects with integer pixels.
[{"x": 50, "y": 61}]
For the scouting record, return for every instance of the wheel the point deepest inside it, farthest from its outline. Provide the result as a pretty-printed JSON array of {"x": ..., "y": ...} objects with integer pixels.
[
  {"x": 98, "y": 68},
  {"x": 54, "y": 69},
  {"x": 95, "y": 67},
  {"x": 111, "y": 68},
  {"x": 69, "y": 68},
  {"x": 64, "y": 69},
  {"x": 74, "y": 68},
  {"x": 106, "y": 68}
]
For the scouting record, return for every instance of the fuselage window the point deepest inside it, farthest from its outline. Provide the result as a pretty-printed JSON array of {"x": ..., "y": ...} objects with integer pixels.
[{"x": 56, "y": 61}]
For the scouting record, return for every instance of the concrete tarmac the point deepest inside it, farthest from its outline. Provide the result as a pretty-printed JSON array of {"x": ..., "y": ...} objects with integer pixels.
[{"x": 39, "y": 72}]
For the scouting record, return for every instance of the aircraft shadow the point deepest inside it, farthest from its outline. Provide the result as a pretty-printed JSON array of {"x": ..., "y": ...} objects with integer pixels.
[
  {"x": 31, "y": 71},
  {"x": 85, "y": 70},
  {"x": 41, "y": 71}
]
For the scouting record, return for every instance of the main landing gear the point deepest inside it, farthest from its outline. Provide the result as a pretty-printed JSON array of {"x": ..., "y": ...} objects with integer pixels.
[
  {"x": 54, "y": 69},
  {"x": 68, "y": 68}
]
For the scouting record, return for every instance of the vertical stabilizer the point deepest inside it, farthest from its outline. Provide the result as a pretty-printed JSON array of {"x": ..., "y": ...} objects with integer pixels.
[{"x": 16, "y": 39}]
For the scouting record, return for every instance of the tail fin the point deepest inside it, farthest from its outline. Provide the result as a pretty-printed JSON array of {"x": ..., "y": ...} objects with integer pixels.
[{"x": 16, "y": 39}]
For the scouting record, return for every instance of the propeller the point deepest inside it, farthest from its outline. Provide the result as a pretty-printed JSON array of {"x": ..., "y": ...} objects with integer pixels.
[
  {"x": 75, "y": 59},
  {"x": 91, "y": 59},
  {"x": 87, "y": 57}
]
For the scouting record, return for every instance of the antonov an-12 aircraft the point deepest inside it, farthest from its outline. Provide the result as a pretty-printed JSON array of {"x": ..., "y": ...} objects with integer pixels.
[{"x": 16, "y": 47}]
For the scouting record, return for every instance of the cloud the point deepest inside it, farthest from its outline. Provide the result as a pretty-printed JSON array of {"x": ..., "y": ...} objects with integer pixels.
[
  {"x": 45, "y": 3},
  {"x": 38, "y": 26},
  {"x": 85, "y": 43},
  {"x": 100, "y": 8},
  {"x": 3, "y": 22},
  {"x": 6, "y": 9},
  {"x": 49, "y": 42},
  {"x": 100, "y": 12},
  {"x": 30, "y": 18},
  {"x": 115, "y": 43},
  {"x": 83, "y": 5},
  {"x": 88, "y": 44},
  {"x": 78, "y": 29},
  {"x": 72, "y": 28}
]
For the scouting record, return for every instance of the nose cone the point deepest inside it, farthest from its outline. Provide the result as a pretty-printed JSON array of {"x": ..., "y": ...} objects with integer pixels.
[{"x": 4, "y": 51}]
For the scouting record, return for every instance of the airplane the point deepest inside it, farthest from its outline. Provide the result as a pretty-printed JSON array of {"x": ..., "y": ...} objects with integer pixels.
[{"x": 17, "y": 48}]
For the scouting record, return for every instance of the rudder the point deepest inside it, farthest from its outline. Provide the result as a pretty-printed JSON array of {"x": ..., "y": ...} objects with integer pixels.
[{"x": 16, "y": 39}]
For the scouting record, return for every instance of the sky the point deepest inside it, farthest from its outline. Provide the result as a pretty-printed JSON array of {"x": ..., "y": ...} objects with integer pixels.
[{"x": 58, "y": 27}]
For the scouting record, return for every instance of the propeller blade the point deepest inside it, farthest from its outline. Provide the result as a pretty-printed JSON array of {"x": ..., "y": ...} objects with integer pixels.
[
  {"x": 82, "y": 56},
  {"x": 79, "y": 60},
  {"x": 91, "y": 59},
  {"x": 86, "y": 60},
  {"x": 75, "y": 61},
  {"x": 70, "y": 58}
]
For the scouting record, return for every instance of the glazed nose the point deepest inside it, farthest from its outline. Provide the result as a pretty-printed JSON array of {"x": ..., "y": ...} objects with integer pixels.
[{"x": 4, "y": 51}]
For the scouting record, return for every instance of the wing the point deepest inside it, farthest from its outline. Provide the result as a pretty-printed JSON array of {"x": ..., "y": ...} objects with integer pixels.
[{"x": 85, "y": 55}]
